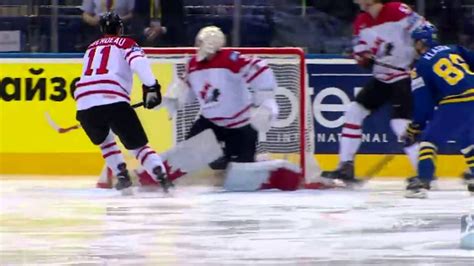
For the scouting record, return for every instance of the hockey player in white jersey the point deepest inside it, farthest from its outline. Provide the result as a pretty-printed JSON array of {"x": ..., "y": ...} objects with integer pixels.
[
  {"x": 381, "y": 42},
  {"x": 103, "y": 101},
  {"x": 220, "y": 80},
  {"x": 236, "y": 94}
]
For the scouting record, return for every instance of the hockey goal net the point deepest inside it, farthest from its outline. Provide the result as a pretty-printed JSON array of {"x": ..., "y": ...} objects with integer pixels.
[{"x": 292, "y": 136}]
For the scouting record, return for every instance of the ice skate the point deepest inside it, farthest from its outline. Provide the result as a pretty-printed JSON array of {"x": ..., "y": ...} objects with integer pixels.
[
  {"x": 165, "y": 183},
  {"x": 123, "y": 179},
  {"x": 468, "y": 178},
  {"x": 470, "y": 188},
  {"x": 417, "y": 189},
  {"x": 219, "y": 164},
  {"x": 124, "y": 184},
  {"x": 469, "y": 181},
  {"x": 345, "y": 173}
]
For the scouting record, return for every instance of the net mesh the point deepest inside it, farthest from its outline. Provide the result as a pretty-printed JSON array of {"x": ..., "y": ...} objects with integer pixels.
[{"x": 291, "y": 136}]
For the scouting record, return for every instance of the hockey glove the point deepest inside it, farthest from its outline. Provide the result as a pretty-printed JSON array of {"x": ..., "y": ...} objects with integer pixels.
[
  {"x": 412, "y": 134},
  {"x": 365, "y": 59},
  {"x": 263, "y": 116},
  {"x": 151, "y": 95}
]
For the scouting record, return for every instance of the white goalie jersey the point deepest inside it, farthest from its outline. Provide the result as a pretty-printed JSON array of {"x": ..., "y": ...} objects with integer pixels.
[{"x": 226, "y": 86}]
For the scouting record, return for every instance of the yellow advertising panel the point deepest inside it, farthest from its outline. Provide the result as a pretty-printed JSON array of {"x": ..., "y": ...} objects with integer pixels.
[{"x": 30, "y": 88}]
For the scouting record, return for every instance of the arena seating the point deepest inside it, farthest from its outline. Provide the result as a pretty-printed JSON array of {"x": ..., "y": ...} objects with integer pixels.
[{"x": 263, "y": 23}]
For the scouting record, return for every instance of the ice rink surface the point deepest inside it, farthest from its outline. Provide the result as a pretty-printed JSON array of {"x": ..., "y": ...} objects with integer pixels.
[{"x": 66, "y": 222}]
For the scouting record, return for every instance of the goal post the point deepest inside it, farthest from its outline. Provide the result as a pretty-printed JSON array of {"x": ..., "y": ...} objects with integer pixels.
[{"x": 292, "y": 136}]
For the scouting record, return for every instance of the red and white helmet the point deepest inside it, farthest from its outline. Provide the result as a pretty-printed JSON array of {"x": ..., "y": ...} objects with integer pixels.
[{"x": 209, "y": 40}]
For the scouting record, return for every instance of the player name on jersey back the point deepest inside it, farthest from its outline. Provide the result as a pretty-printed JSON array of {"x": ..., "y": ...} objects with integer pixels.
[{"x": 119, "y": 41}]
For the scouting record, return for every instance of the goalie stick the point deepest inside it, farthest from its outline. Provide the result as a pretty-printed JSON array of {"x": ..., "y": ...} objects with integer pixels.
[{"x": 62, "y": 130}]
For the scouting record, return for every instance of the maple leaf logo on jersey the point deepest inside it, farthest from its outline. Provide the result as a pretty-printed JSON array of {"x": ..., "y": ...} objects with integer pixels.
[{"x": 213, "y": 96}]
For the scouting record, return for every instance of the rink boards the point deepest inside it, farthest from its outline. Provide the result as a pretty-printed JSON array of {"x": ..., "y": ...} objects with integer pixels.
[{"x": 29, "y": 87}]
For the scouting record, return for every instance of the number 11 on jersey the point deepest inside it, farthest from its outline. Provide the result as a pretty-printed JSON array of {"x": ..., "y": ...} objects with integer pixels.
[{"x": 104, "y": 59}]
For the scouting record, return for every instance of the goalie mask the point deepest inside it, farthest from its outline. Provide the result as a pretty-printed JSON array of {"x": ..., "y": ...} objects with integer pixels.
[{"x": 209, "y": 40}]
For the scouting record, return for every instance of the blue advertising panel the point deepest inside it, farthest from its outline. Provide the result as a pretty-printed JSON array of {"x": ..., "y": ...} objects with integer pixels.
[{"x": 335, "y": 82}]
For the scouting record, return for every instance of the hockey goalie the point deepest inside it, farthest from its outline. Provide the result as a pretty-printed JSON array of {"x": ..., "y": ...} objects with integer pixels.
[{"x": 236, "y": 94}]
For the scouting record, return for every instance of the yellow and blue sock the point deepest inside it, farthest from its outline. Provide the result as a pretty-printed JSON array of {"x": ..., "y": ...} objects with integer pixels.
[
  {"x": 427, "y": 161},
  {"x": 469, "y": 156}
]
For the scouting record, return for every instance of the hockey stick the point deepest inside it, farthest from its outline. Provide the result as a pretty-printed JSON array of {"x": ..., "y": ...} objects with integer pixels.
[
  {"x": 374, "y": 170},
  {"x": 61, "y": 130},
  {"x": 382, "y": 64},
  {"x": 389, "y": 66}
]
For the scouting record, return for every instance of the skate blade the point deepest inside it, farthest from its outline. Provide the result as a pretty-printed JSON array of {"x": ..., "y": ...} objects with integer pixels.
[
  {"x": 154, "y": 188},
  {"x": 165, "y": 184},
  {"x": 353, "y": 184},
  {"x": 169, "y": 189},
  {"x": 422, "y": 194},
  {"x": 127, "y": 191}
]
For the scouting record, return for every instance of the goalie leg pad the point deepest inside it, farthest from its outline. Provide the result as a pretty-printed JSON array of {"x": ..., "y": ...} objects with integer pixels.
[
  {"x": 275, "y": 174},
  {"x": 145, "y": 179},
  {"x": 194, "y": 153},
  {"x": 283, "y": 179},
  {"x": 106, "y": 178},
  {"x": 188, "y": 156}
]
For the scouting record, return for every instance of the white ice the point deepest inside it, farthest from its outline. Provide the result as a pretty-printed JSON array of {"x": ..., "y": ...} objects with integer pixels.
[{"x": 66, "y": 222}]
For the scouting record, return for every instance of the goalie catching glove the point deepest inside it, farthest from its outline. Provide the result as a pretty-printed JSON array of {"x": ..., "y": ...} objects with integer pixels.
[
  {"x": 151, "y": 95},
  {"x": 177, "y": 95}
]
